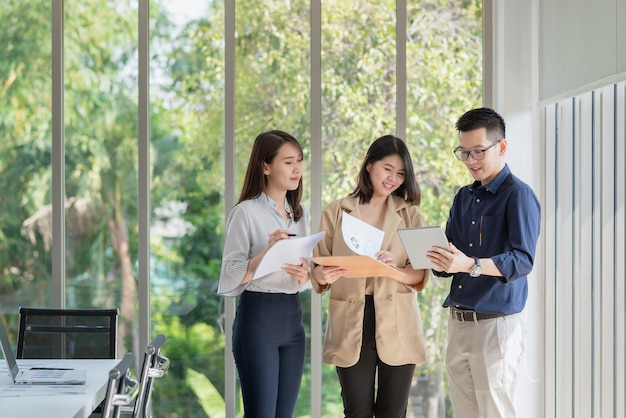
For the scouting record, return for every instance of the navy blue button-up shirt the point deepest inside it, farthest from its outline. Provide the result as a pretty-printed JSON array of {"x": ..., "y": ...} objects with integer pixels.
[{"x": 500, "y": 221}]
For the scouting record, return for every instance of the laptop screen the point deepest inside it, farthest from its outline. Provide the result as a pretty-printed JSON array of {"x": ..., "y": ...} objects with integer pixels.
[{"x": 8, "y": 351}]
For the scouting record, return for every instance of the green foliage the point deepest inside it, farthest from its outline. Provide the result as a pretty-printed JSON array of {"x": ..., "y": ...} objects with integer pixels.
[
  {"x": 24, "y": 128},
  {"x": 194, "y": 351},
  {"x": 208, "y": 397},
  {"x": 444, "y": 45},
  {"x": 272, "y": 76}
]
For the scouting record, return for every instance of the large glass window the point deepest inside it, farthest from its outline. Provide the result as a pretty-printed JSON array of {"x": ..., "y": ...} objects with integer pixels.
[
  {"x": 25, "y": 148},
  {"x": 358, "y": 105},
  {"x": 100, "y": 71},
  {"x": 187, "y": 199},
  {"x": 188, "y": 162},
  {"x": 444, "y": 73},
  {"x": 272, "y": 91}
]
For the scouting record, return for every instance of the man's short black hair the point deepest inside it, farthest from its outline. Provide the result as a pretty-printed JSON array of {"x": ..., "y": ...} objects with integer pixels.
[{"x": 483, "y": 117}]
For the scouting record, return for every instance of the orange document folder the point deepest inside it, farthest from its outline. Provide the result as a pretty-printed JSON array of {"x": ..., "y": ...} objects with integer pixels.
[{"x": 359, "y": 266}]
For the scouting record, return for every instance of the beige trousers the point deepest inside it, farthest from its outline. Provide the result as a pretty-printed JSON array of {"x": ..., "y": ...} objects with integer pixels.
[{"x": 482, "y": 360}]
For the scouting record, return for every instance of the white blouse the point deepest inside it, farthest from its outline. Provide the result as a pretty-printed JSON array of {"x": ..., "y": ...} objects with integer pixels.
[{"x": 248, "y": 227}]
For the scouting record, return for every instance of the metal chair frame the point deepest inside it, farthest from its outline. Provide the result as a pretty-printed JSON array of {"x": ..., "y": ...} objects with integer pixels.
[
  {"x": 154, "y": 366},
  {"x": 122, "y": 389}
]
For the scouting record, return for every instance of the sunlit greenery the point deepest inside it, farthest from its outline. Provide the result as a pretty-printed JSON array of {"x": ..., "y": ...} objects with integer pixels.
[{"x": 187, "y": 134}]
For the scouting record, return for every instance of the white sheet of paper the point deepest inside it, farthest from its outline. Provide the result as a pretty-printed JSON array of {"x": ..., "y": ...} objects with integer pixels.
[
  {"x": 361, "y": 237},
  {"x": 287, "y": 251}
]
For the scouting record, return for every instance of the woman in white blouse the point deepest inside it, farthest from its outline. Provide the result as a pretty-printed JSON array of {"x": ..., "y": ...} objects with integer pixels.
[{"x": 268, "y": 335}]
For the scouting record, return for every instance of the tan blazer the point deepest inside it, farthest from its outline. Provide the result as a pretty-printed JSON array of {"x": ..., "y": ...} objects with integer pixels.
[{"x": 399, "y": 334}]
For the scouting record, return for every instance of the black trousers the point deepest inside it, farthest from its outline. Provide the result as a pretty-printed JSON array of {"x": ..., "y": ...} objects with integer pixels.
[
  {"x": 363, "y": 396},
  {"x": 269, "y": 349}
]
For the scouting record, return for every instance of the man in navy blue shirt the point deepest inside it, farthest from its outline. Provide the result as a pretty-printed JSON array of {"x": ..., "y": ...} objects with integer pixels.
[{"x": 493, "y": 229}]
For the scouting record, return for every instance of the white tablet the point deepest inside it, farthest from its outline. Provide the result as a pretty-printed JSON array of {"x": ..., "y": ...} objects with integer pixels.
[{"x": 418, "y": 241}]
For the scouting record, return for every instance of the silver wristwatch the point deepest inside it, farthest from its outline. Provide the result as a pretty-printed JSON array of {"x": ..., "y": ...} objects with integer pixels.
[{"x": 476, "y": 269}]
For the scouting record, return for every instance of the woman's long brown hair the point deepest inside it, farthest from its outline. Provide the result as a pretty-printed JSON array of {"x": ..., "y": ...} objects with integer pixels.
[{"x": 264, "y": 150}]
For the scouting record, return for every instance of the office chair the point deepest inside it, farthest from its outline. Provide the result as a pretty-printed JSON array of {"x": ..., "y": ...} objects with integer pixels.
[
  {"x": 67, "y": 333},
  {"x": 154, "y": 366},
  {"x": 121, "y": 388}
]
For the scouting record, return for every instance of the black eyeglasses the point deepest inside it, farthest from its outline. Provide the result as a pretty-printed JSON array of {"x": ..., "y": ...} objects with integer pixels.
[{"x": 477, "y": 154}]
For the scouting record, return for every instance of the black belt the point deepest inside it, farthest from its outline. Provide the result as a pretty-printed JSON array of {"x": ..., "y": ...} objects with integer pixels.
[{"x": 472, "y": 316}]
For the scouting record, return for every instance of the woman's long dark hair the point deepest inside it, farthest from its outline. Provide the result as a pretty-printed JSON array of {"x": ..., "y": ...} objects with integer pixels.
[
  {"x": 383, "y": 147},
  {"x": 264, "y": 150}
]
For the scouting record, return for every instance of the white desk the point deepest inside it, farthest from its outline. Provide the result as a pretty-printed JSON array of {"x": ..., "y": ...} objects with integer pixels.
[{"x": 60, "y": 406}]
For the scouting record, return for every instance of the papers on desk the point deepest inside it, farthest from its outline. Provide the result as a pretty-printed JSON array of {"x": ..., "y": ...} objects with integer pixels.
[
  {"x": 41, "y": 390},
  {"x": 287, "y": 251},
  {"x": 60, "y": 401},
  {"x": 38, "y": 390}
]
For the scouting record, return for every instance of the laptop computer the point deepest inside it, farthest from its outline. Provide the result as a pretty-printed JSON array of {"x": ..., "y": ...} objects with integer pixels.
[
  {"x": 417, "y": 241},
  {"x": 37, "y": 375}
]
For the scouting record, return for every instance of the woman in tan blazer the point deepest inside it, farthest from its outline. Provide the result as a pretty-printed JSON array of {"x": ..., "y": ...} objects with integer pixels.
[{"x": 374, "y": 324}]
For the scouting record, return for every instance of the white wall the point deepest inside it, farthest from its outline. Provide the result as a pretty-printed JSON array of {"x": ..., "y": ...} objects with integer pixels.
[
  {"x": 557, "y": 68},
  {"x": 579, "y": 44}
]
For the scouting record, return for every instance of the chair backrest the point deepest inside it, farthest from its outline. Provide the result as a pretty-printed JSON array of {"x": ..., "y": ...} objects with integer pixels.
[
  {"x": 67, "y": 333},
  {"x": 121, "y": 388},
  {"x": 154, "y": 366}
]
